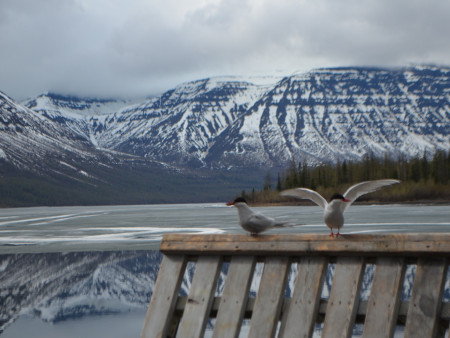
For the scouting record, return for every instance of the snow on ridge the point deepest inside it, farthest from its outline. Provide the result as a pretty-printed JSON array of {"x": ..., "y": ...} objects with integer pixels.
[
  {"x": 262, "y": 80},
  {"x": 74, "y": 107},
  {"x": 3, "y": 154}
]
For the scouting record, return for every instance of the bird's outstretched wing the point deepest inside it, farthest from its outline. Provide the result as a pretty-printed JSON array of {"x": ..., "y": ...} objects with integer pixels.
[
  {"x": 366, "y": 187},
  {"x": 304, "y": 193}
]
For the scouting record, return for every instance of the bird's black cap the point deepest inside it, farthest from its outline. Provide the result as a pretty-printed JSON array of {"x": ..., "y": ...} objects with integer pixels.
[
  {"x": 339, "y": 197},
  {"x": 238, "y": 200}
]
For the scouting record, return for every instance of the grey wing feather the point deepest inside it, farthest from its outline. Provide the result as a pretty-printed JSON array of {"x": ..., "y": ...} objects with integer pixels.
[
  {"x": 366, "y": 187},
  {"x": 264, "y": 222},
  {"x": 304, "y": 193},
  {"x": 261, "y": 221}
]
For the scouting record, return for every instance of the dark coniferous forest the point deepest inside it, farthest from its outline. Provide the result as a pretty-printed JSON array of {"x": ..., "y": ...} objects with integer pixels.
[{"x": 422, "y": 179}]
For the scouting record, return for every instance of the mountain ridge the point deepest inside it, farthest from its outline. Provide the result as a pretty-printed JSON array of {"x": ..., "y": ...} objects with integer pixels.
[
  {"x": 209, "y": 122},
  {"x": 232, "y": 126}
]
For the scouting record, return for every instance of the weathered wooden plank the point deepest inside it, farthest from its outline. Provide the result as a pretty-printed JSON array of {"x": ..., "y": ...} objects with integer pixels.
[
  {"x": 164, "y": 298},
  {"x": 234, "y": 298},
  {"x": 384, "y": 301},
  {"x": 296, "y": 244},
  {"x": 426, "y": 298},
  {"x": 344, "y": 297},
  {"x": 269, "y": 297},
  {"x": 200, "y": 298},
  {"x": 300, "y": 318}
]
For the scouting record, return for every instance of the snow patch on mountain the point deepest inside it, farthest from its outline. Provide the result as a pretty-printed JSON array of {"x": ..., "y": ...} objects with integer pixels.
[
  {"x": 75, "y": 107},
  {"x": 3, "y": 154}
]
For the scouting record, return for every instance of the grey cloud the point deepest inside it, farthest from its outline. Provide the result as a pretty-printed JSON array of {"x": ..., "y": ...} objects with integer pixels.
[{"x": 141, "y": 47}]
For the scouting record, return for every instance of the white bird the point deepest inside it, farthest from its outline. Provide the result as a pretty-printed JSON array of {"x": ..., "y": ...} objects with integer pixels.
[
  {"x": 253, "y": 222},
  {"x": 333, "y": 215}
]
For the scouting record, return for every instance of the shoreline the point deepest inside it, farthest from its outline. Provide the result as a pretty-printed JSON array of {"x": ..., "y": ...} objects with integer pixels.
[{"x": 368, "y": 202}]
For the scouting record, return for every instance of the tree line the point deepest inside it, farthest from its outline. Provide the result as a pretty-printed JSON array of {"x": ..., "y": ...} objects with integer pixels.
[{"x": 422, "y": 178}]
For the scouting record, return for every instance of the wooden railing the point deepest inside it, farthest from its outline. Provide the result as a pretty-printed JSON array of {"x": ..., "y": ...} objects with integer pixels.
[{"x": 272, "y": 313}]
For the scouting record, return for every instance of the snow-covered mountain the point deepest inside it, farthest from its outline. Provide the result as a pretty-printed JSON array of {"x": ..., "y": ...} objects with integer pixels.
[
  {"x": 337, "y": 114},
  {"x": 49, "y": 158},
  {"x": 53, "y": 143},
  {"x": 181, "y": 125},
  {"x": 228, "y": 125},
  {"x": 323, "y": 115},
  {"x": 31, "y": 140},
  {"x": 74, "y": 107},
  {"x": 74, "y": 112}
]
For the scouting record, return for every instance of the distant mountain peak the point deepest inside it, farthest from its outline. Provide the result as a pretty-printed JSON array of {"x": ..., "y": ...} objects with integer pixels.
[{"x": 70, "y": 105}]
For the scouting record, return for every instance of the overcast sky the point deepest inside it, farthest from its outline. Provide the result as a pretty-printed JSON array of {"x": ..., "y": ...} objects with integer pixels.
[{"x": 144, "y": 47}]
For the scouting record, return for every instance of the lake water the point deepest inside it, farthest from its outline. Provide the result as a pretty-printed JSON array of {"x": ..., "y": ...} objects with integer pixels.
[
  {"x": 89, "y": 271},
  {"x": 62, "y": 229}
]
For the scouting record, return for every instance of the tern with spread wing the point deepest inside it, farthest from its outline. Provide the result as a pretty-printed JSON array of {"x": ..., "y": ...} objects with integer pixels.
[
  {"x": 334, "y": 210},
  {"x": 253, "y": 222}
]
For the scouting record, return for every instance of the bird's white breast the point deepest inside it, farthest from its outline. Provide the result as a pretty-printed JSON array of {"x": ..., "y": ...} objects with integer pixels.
[{"x": 333, "y": 215}]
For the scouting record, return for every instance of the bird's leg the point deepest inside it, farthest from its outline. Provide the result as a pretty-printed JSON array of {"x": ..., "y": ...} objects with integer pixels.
[
  {"x": 331, "y": 234},
  {"x": 338, "y": 233}
]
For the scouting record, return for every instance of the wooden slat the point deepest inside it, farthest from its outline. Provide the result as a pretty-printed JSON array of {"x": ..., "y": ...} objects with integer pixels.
[
  {"x": 297, "y": 244},
  {"x": 234, "y": 298},
  {"x": 269, "y": 297},
  {"x": 344, "y": 297},
  {"x": 200, "y": 298},
  {"x": 164, "y": 298},
  {"x": 384, "y": 301},
  {"x": 426, "y": 298},
  {"x": 300, "y": 317}
]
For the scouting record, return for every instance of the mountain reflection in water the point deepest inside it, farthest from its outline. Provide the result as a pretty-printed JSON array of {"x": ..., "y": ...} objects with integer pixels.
[{"x": 60, "y": 286}]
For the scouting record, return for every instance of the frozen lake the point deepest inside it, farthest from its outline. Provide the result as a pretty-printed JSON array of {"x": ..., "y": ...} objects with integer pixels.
[
  {"x": 78, "y": 271},
  {"x": 63, "y": 229}
]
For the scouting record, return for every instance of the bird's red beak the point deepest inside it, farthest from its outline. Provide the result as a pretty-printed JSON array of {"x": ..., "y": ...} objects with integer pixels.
[
  {"x": 230, "y": 203},
  {"x": 346, "y": 200}
]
